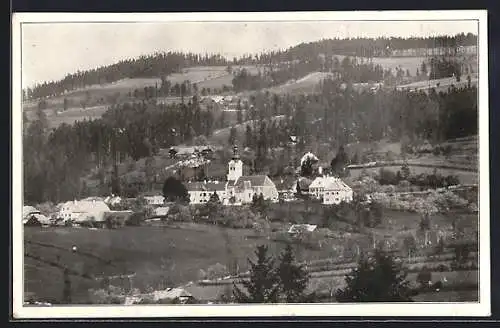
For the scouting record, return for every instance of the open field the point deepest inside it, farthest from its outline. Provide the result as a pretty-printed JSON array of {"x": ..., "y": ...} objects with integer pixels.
[
  {"x": 198, "y": 74},
  {"x": 155, "y": 254},
  {"x": 307, "y": 84},
  {"x": 74, "y": 114},
  {"x": 95, "y": 92}
]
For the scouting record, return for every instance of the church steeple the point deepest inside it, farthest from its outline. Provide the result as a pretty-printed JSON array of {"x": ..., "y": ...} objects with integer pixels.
[
  {"x": 236, "y": 154},
  {"x": 235, "y": 166}
]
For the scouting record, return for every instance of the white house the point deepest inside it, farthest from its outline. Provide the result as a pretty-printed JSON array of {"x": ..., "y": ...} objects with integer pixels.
[
  {"x": 82, "y": 210},
  {"x": 153, "y": 198},
  {"x": 331, "y": 190},
  {"x": 238, "y": 189},
  {"x": 200, "y": 192}
]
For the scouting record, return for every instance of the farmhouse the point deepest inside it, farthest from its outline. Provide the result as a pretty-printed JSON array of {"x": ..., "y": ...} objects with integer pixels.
[
  {"x": 331, "y": 190},
  {"x": 238, "y": 189},
  {"x": 81, "y": 210}
]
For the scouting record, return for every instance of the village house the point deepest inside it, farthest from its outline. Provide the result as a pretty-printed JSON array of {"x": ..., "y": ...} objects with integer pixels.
[
  {"x": 200, "y": 192},
  {"x": 331, "y": 190},
  {"x": 238, "y": 189},
  {"x": 153, "y": 198},
  {"x": 77, "y": 211}
]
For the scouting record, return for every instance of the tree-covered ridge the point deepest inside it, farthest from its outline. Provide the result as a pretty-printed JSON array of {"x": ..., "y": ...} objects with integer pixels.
[
  {"x": 161, "y": 64},
  {"x": 364, "y": 47}
]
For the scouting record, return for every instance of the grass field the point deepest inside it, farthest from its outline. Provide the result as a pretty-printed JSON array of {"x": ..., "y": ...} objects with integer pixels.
[
  {"x": 307, "y": 84},
  {"x": 154, "y": 254}
]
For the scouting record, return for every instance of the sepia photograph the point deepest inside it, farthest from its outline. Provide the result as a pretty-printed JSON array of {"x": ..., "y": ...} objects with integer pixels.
[{"x": 250, "y": 164}]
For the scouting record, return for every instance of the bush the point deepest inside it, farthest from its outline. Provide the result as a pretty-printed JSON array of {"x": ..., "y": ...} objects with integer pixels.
[
  {"x": 387, "y": 177},
  {"x": 443, "y": 268},
  {"x": 424, "y": 276},
  {"x": 135, "y": 219}
]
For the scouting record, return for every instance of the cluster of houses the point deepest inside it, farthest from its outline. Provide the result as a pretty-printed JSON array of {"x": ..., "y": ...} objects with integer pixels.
[
  {"x": 237, "y": 189},
  {"x": 240, "y": 189}
]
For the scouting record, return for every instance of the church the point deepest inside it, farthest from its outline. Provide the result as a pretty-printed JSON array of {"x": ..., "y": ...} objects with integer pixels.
[{"x": 237, "y": 190}]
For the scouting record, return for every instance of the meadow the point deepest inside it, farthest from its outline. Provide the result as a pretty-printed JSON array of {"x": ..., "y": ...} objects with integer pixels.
[
  {"x": 158, "y": 255},
  {"x": 307, "y": 84},
  {"x": 174, "y": 254}
]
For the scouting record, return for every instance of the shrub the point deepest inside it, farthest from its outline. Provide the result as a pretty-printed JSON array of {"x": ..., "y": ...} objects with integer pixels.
[
  {"x": 424, "y": 276},
  {"x": 135, "y": 219},
  {"x": 442, "y": 268},
  {"x": 387, "y": 177}
]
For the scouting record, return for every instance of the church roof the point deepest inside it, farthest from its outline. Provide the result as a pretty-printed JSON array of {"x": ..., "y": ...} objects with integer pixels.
[{"x": 255, "y": 180}]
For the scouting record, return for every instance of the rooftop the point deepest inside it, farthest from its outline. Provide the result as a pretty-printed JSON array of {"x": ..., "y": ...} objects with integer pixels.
[
  {"x": 206, "y": 186},
  {"x": 255, "y": 180},
  {"x": 329, "y": 183}
]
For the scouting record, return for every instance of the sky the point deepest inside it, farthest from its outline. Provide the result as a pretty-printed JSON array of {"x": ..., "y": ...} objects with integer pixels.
[{"x": 52, "y": 50}]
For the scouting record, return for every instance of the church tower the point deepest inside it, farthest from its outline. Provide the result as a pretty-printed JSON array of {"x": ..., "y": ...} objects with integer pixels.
[{"x": 235, "y": 166}]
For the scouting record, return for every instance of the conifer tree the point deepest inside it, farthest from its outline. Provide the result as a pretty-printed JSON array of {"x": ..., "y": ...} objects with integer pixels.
[
  {"x": 293, "y": 277},
  {"x": 263, "y": 285},
  {"x": 377, "y": 279}
]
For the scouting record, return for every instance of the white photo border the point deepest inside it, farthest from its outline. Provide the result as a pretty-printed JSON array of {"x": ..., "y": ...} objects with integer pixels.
[{"x": 481, "y": 308}]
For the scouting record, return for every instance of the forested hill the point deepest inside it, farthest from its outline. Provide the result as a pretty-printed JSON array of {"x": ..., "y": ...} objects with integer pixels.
[
  {"x": 162, "y": 64},
  {"x": 367, "y": 47},
  {"x": 154, "y": 65}
]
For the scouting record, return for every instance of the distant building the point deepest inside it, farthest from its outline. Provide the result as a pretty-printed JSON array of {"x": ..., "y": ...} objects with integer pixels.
[
  {"x": 298, "y": 228},
  {"x": 331, "y": 190},
  {"x": 153, "y": 198}
]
